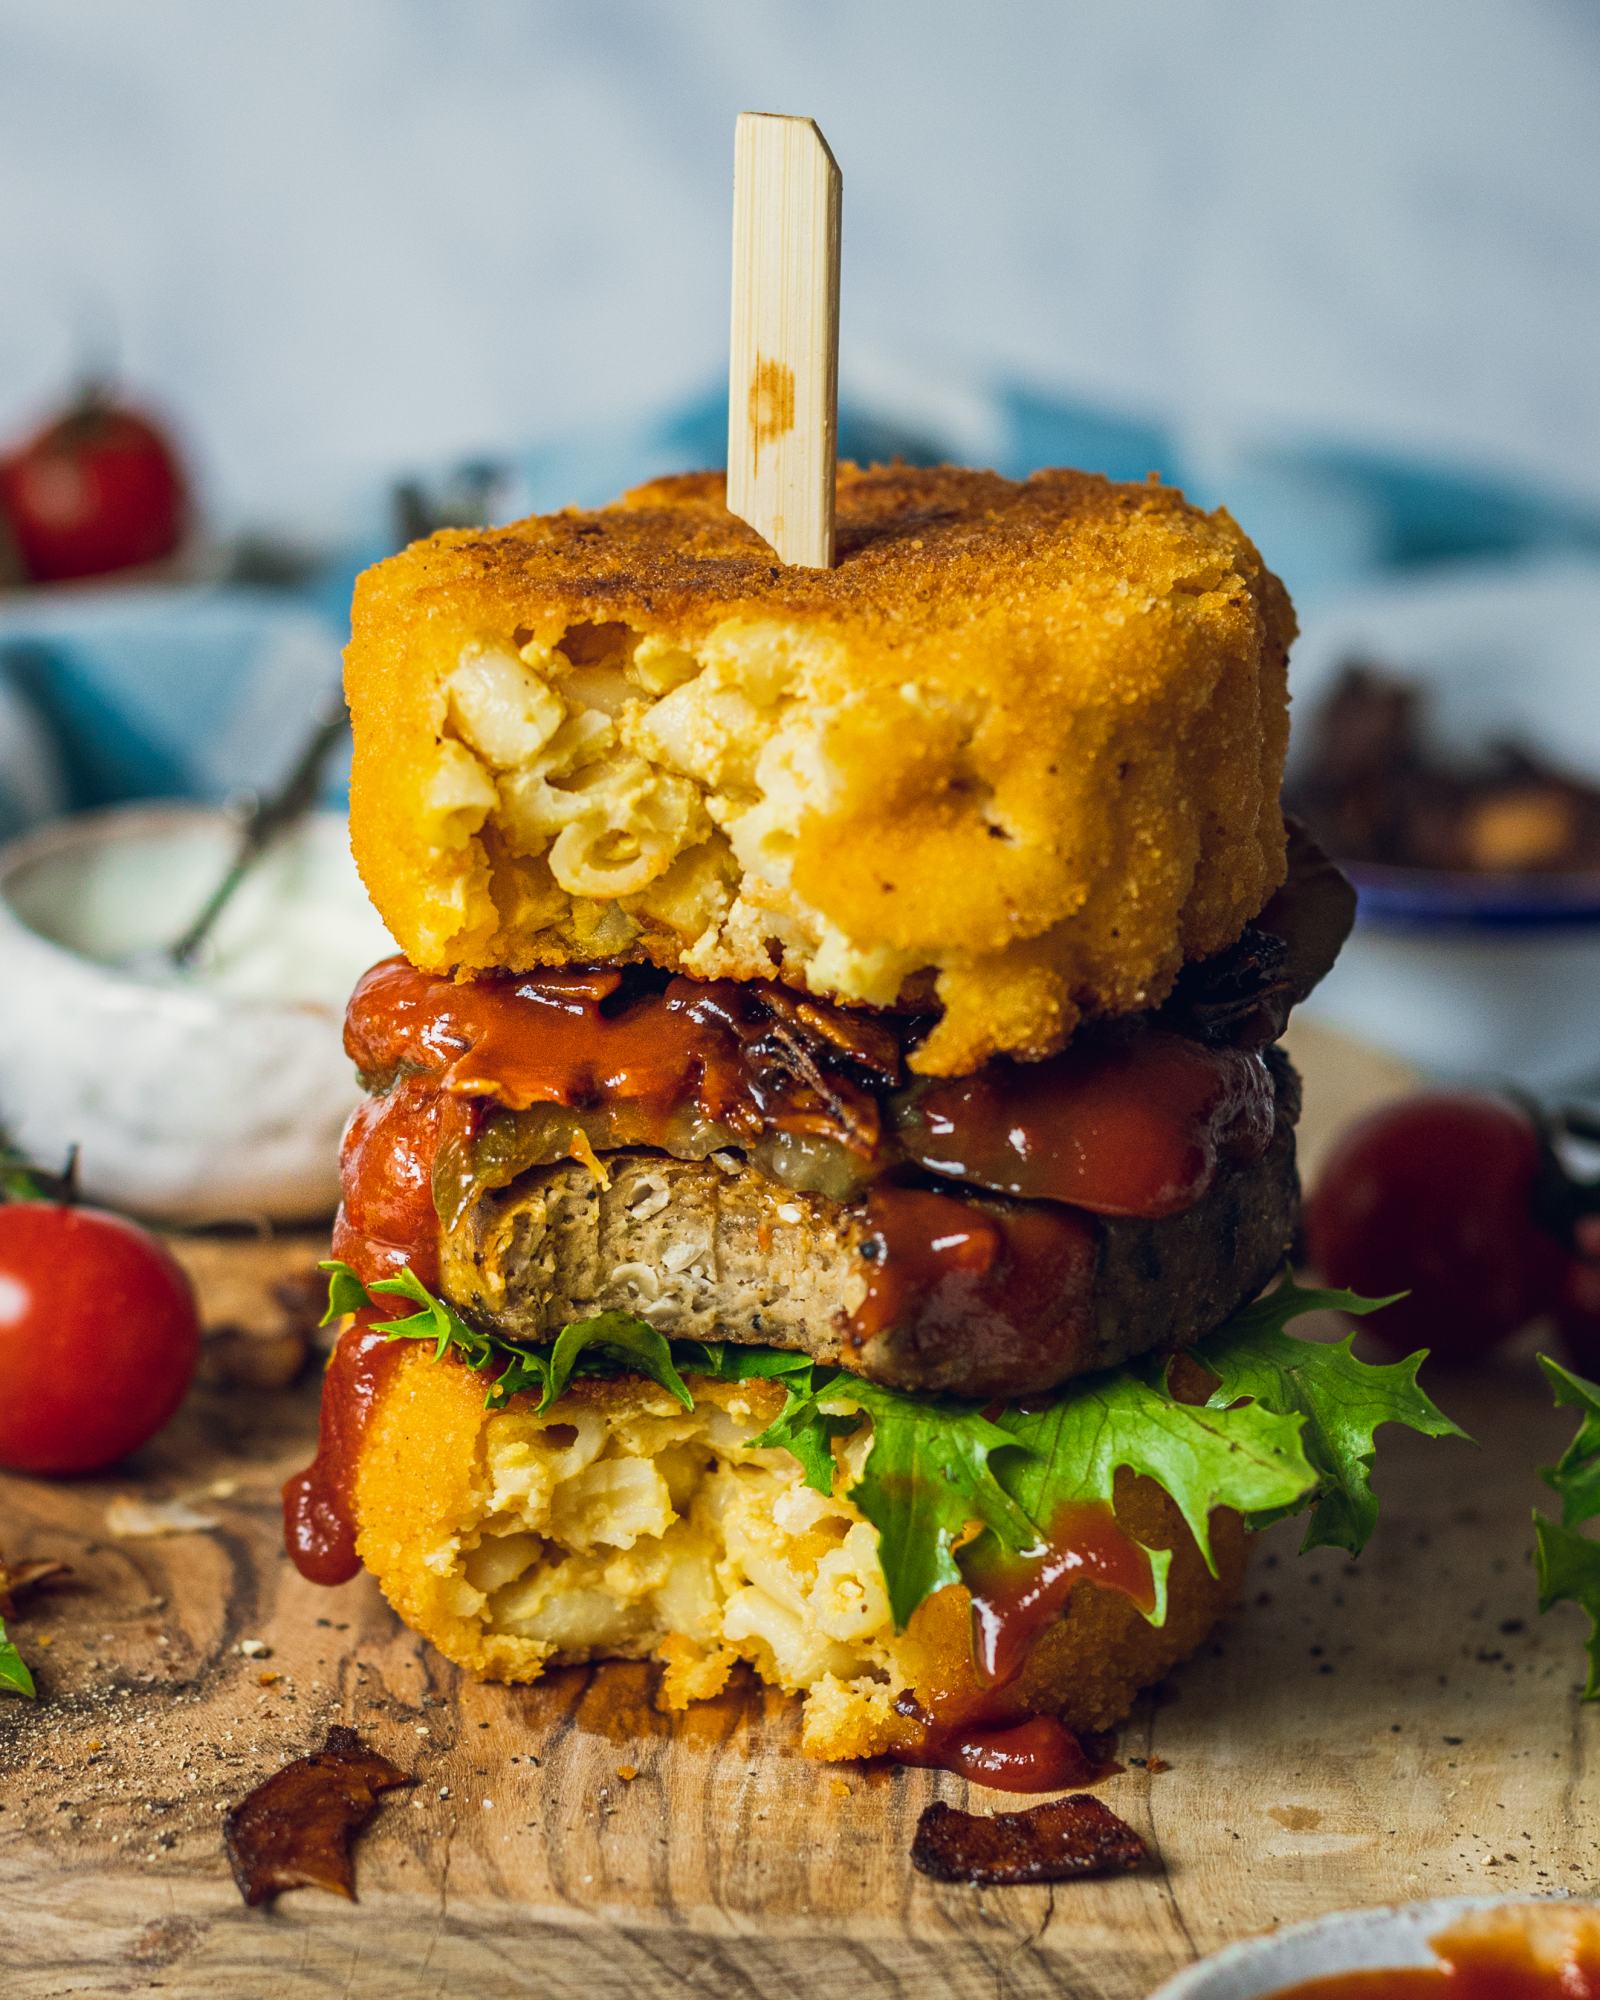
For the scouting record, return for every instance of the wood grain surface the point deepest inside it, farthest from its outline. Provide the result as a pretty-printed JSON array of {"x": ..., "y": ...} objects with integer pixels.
[{"x": 1361, "y": 1732}]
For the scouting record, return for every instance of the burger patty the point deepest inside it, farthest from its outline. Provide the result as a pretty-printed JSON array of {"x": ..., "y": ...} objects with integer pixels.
[{"x": 716, "y": 1250}]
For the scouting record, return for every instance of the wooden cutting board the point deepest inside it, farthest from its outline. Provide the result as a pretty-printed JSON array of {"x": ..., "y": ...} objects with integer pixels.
[{"x": 1401, "y": 1727}]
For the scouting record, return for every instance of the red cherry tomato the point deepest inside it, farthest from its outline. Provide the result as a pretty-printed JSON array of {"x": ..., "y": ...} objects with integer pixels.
[
  {"x": 99, "y": 489},
  {"x": 1434, "y": 1196},
  {"x": 99, "y": 1337}
]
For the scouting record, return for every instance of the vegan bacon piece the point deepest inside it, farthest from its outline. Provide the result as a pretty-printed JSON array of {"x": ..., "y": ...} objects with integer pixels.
[
  {"x": 1053, "y": 1842},
  {"x": 294, "y": 1830}
]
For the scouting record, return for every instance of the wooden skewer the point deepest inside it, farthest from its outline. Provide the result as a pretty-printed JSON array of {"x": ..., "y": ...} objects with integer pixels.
[{"x": 783, "y": 371}]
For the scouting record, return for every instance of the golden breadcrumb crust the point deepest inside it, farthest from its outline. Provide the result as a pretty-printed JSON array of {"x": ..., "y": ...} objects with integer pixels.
[
  {"x": 1018, "y": 753},
  {"x": 619, "y": 1526}
]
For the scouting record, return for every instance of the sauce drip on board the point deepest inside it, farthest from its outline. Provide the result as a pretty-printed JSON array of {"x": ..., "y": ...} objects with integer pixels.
[
  {"x": 1493, "y": 1958},
  {"x": 1039, "y": 1753}
]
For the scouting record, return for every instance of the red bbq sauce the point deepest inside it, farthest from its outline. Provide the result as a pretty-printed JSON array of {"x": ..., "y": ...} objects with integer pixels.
[
  {"x": 1015, "y": 1599},
  {"x": 318, "y": 1520},
  {"x": 1125, "y": 1123},
  {"x": 387, "y": 1218},
  {"x": 984, "y": 1735},
  {"x": 1493, "y": 1958},
  {"x": 1037, "y": 1754},
  {"x": 1121, "y": 1124},
  {"x": 749, "y": 1054},
  {"x": 1017, "y": 1276}
]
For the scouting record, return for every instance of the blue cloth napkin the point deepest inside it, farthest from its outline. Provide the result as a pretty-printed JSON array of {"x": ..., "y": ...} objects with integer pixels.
[{"x": 200, "y": 692}]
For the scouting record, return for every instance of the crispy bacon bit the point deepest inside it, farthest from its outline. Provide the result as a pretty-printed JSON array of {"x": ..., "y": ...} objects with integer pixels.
[
  {"x": 1062, "y": 1838},
  {"x": 294, "y": 1831}
]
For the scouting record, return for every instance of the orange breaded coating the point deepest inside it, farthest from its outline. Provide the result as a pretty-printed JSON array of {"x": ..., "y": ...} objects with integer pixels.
[
  {"x": 620, "y": 1526},
  {"x": 1018, "y": 755}
]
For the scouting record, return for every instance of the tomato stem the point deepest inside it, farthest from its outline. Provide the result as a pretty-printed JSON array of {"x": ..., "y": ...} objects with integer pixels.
[{"x": 21, "y": 1180}]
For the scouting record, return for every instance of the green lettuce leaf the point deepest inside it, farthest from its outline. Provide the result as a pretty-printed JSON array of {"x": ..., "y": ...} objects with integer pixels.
[
  {"x": 1340, "y": 1400},
  {"x": 610, "y": 1344},
  {"x": 1247, "y": 1457},
  {"x": 950, "y": 1484},
  {"x": 14, "y": 1675},
  {"x": 927, "y": 1476},
  {"x": 803, "y": 1430},
  {"x": 639, "y": 1348},
  {"x": 346, "y": 1293},
  {"x": 1575, "y": 1477},
  {"x": 1566, "y": 1561}
]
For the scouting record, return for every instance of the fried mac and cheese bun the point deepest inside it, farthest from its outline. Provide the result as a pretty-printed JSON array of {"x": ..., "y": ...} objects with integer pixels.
[
  {"x": 619, "y": 1525},
  {"x": 1015, "y": 759}
]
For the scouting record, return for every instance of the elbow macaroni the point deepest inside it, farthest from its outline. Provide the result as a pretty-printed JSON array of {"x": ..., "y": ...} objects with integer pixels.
[
  {"x": 1015, "y": 760},
  {"x": 619, "y": 1525}
]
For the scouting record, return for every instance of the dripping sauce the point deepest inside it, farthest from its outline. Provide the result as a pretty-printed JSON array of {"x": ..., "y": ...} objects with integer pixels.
[
  {"x": 984, "y": 1734},
  {"x": 387, "y": 1218},
  {"x": 1015, "y": 1599},
  {"x": 1015, "y": 1278},
  {"x": 318, "y": 1519}
]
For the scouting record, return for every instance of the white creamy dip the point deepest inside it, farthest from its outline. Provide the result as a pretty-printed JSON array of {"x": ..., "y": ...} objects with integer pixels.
[
  {"x": 299, "y": 927},
  {"x": 212, "y": 1095}
]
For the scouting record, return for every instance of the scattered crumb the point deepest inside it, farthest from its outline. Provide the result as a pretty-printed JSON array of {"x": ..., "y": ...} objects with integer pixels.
[
  {"x": 839, "y": 1788},
  {"x": 255, "y": 1649},
  {"x": 627, "y": 1773}
]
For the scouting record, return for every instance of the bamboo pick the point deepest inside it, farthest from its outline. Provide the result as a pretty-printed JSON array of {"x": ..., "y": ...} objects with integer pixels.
[{"x": 783, "y": 370}]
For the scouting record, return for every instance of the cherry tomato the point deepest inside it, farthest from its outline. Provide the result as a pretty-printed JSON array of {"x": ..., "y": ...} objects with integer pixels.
[
  {"x": 1434, "y": 1196},
  {"x": 99, "y": 1337},
  {"x": 99, "y": 489}
]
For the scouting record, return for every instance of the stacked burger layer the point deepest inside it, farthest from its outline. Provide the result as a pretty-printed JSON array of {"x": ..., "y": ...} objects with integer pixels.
[{"x": 829, "y": 1081}]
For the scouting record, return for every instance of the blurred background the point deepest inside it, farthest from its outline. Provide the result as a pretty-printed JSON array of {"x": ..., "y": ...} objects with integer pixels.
[{"x": 331, "y": 275}]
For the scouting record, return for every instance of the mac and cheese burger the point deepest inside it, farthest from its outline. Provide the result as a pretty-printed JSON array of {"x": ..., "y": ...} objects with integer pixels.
[{"x": 825, "y": 1150}]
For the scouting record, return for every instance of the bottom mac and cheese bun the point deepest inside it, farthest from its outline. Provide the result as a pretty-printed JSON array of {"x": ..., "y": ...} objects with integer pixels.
[{"x": 618, "y": 1525}]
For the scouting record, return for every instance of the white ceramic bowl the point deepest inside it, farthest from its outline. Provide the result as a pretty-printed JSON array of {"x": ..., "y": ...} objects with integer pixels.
[
  {"x": 1347, "y": 1941},
  {"x": 1489, "y": 979},
  {"x": 218, "y": 1097},
  {"x": 1493, "y": 977}
]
